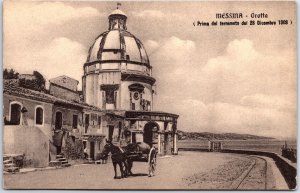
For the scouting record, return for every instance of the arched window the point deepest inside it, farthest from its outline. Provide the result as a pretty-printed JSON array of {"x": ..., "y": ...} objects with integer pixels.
[
  {"x": 15, "y": 113},
  {"x": 39, "y": 115}
]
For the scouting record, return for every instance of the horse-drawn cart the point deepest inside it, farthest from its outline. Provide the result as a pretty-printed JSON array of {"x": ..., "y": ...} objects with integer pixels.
[
  {"x": 149, "y": 158},
  {"x": 134, "y": 152}
]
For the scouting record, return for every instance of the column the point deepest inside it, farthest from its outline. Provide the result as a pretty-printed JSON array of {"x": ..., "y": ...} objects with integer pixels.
[
  {"x": 158, "y": 142},
  {"x": 167, "y": 149},
  {"x": 166, "y": 141},
  {"x": 175, "y": 150},
  {"x": 88, "y": 146}
]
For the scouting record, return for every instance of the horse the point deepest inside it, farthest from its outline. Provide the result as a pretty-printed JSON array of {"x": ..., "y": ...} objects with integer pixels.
[{"x": 118, "y": 157}]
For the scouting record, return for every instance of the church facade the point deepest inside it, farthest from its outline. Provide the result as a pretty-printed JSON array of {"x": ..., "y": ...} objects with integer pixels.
[{"x": 116, "y": 103}]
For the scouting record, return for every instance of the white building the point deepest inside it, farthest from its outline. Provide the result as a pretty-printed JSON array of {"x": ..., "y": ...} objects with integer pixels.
[{"x": 118, "y": 79}]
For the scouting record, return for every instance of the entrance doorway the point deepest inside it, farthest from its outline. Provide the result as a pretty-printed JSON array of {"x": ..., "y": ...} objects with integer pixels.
[
  {"x": 110, "y": 132},
  {"x": 92, "y": 150},
  {"x": 15, "y": 114},
  {"x": 133, "y": 137},
  {"x": 149, "y": 130},
  {"x": 58, "y": 120}
]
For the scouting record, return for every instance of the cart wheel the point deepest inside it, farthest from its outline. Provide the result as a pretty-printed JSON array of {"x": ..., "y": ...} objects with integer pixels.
[{"x": 152, "y": 162}]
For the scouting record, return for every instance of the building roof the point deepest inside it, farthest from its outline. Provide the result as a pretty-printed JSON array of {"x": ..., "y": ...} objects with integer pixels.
[
  {"x": 66, "y": 82},
  {"x": 118, "y": 44},
  {"x": 12, "y": 89},
  {"x": 117, "y": 12},
  {"x": 133, "y": 113}
]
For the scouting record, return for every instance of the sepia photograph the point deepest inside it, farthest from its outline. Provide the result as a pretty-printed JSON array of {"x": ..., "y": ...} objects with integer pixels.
[{"x": 153, "y": 95}]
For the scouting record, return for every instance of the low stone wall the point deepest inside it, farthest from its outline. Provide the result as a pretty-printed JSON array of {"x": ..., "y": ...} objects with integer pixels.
[
  {"x": 193, "y": 149},
  {"x": 286, "y": 167}
]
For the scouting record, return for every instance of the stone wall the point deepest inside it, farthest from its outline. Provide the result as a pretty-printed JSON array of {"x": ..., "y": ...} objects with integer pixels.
[{"x": 286, "y": 167}]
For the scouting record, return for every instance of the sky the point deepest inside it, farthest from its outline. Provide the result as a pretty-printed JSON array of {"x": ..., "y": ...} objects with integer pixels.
[{"x": 217, "y": 79}]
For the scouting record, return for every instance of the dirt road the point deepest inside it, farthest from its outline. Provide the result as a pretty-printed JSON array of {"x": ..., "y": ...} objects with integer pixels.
[{"x": 170, "y": 174}]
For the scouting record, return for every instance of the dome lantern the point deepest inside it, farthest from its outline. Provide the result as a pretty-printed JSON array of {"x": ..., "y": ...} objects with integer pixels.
[{"x": 117, "y": 19}]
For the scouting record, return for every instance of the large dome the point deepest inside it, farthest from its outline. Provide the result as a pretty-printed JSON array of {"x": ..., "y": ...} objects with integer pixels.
[{"x": 118, "y": 44}]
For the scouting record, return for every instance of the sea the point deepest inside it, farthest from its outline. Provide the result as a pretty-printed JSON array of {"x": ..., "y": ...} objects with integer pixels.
[{"x": 270, "y": 145}]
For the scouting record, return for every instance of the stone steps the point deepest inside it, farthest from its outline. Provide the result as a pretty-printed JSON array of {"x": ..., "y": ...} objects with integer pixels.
[
  {"x": 66, "y": 165},
  {"x": 55, "y": 163},
  {"x": 60, "y": 161},
  {"x": 12, "y": 169},
  {"x": 8, "y": 165},
  {"x": 7, "y": 162},
  {"x": 6, "y": 157}
]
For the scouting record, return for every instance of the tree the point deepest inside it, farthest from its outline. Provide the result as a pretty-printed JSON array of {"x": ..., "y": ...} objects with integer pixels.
[
  {"x": 5, "y": 74},
  {"x": 10, "y": 74},
  {"x": 40, "y": 80}
]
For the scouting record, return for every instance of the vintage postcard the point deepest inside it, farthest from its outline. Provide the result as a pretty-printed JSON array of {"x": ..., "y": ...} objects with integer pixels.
[{"x": 160, "y": 95}]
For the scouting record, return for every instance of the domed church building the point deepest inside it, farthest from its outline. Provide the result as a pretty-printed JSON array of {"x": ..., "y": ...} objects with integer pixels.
[
  {"x": 118, "y": 79},
  {"x": 116, "y": 103}
]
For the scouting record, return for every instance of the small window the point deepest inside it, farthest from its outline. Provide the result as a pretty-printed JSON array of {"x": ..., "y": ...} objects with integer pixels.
[
  {"x": 39, "y": 116},
  {"x": 127, "y": 57},
  {"x": 75, "y": 121},
  {"x": 94, "y": 118},
  {"x": 110, "y": 96},
  {"x": 132, "y": 106}
]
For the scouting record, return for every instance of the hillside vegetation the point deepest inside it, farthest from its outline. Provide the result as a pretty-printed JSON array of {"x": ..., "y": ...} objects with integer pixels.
[{"x": 182, "y": 135}]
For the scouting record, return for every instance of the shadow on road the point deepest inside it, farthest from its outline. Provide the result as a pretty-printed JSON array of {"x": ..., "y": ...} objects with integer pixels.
[{"x": 138, "y": 174}]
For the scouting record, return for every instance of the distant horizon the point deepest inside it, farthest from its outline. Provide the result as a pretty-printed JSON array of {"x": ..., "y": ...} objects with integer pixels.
[{"x": 291, "y": 139}]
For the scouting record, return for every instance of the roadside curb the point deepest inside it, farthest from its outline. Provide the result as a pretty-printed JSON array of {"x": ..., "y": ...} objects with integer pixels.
[{"x": 28, "y": 170}]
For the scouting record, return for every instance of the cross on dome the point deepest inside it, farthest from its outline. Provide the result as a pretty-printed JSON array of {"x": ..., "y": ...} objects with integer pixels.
[{"x": 118, "y": 5}]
